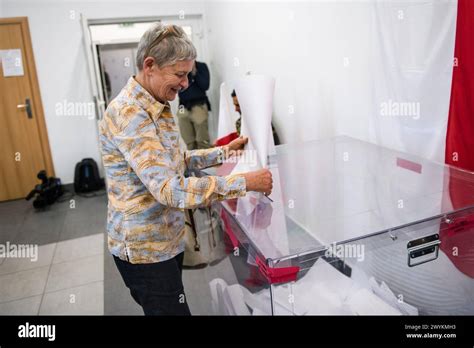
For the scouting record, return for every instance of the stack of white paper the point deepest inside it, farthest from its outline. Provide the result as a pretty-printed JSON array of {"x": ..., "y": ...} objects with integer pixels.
[
  {"x": 322, "y": 291},
  {"x": 384, "y": 292}
]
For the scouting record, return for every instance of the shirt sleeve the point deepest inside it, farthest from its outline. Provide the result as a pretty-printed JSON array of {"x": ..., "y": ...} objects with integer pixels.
[
  {"x": 134, "y": 134},
  {"x": 203, "y": 158}
]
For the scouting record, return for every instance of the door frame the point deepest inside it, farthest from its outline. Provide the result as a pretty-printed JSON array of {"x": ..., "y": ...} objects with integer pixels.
[
  {"x": 92, "y": 53},
  {"x": 35, "y": 89}
]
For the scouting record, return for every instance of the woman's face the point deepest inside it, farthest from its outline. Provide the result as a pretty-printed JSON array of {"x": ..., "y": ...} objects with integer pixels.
[{"x": 165, "y": 83}]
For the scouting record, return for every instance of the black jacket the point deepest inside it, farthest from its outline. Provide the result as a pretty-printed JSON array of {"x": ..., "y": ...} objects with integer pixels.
[{"x": 195, "y": 94}]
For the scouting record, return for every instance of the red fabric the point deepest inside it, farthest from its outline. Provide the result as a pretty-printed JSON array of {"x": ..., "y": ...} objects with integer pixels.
[
  {"x": 457, "y": 238},
  {"x": 228, "y": 230},
  {"x": 227, "y": 139},
  {"x": 460, "y": 142},
  {"x": 460, "y": 135}
]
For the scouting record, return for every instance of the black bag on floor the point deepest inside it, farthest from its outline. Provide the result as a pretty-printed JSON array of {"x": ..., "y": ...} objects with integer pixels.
[{"x": 86, "y": 176}]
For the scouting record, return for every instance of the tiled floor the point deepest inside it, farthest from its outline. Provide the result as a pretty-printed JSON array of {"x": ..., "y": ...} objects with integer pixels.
[
  {"x": 74, "y": 272},
  {"x": 68, "y": 275},
  {"x": 21, "y": 224},
  {"x": 67, "y": 278}
]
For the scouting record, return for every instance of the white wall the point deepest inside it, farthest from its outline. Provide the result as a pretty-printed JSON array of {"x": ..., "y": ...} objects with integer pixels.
[
  {"x": 325, "y": 56},
  {"x": 299, "y": 44},
  {"x": 58, "y": 46},
  {"x": 332, "y": 69}
]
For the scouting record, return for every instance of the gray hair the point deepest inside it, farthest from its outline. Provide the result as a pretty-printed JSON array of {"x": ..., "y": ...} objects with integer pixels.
[{"x": 167, "y": 44}]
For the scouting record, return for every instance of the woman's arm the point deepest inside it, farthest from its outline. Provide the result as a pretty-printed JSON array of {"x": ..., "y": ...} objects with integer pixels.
[
  {"x": 203, "y": 158},
  {"x": 199, "y": 159},
  {"x": 136, "y": 138}
]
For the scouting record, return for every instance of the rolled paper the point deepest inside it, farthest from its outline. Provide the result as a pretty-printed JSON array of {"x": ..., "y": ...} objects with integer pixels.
[{"x": 255, "y": 94}]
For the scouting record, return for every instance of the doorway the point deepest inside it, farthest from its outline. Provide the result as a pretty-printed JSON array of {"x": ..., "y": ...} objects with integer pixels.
[
  {"x": 23, "y": 137},
  {"x": 117, "y": 63},
  {"x": 111, "y": 46}
]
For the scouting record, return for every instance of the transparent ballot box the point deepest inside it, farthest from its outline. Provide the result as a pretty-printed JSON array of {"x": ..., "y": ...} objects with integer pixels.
[{"x": 351, "y": 228}]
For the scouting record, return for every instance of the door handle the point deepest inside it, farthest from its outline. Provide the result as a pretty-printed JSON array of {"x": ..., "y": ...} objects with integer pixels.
[{"x": 26, "y": 106}]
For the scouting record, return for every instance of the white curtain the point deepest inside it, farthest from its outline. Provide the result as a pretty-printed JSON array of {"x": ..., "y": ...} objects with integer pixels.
[{"x": 411, "y": 51}]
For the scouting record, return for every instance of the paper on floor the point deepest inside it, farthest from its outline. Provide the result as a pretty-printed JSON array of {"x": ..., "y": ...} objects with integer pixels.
[{"x": 322, "y": 291}]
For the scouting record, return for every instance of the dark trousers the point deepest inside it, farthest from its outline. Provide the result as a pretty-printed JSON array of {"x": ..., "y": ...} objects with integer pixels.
[{"x": 157, "y": 287}]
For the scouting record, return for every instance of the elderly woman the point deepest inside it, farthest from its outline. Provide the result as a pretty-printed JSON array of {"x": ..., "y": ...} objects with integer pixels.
[{"x": 145, "y": 167}]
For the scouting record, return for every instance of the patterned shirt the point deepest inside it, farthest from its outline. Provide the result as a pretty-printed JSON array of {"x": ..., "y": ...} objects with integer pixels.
[{"x": 146, "y": 187}]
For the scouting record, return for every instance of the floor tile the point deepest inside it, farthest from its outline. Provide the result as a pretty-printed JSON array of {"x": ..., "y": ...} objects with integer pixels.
[
  {"x": 15, "y": 286},
  {"x": 88, "y": 218},
  {"x": 44, "y": 258},
  {"x": 41, "y": 228},
  {"x": 73, "y": 249},
  {"x": 10, "y": 208},
  {"x": 81, "y": 300},
  {"x": 74, "y": 273},
  {"x": 26, "y": 306}
]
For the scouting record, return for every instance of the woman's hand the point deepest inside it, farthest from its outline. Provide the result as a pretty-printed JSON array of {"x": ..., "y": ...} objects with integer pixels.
[
  {"x": 259, "y": 181},
  {"x": 235, "y": 147}
]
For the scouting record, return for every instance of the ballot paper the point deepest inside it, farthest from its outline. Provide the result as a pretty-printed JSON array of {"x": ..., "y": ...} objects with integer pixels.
[
  {"x": 230, "y": 299},
  {"x": 255, "y": 94},
  {"x": 384, "y": 292},
  {"x": 323, "y": 290},
  {"x": 364, "y": 302},
  {"x": 217, "y": 287},
  {"x": 265, "y": 220}
]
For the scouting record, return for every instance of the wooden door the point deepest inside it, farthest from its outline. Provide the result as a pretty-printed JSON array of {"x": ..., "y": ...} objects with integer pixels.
[{"x": 24, "y": 146}]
